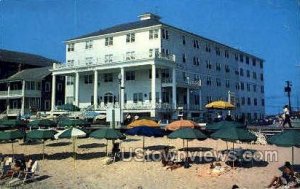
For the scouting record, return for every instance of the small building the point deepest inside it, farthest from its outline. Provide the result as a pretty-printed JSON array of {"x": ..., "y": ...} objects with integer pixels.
[{"x": 29, "y": 91}]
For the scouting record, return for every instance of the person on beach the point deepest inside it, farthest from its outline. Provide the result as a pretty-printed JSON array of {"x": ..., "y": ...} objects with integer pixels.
[
  {"x": 166, "y": 157},
  {"x": 286, "y": 177},
  {"x": 287, "y": 118}
]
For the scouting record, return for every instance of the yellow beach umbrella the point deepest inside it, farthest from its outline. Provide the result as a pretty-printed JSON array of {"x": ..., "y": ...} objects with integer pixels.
[
  {"x": 181, "y": 124},
  {"x": 143, "y": 122},
  {"x": 222, "y": 105}
]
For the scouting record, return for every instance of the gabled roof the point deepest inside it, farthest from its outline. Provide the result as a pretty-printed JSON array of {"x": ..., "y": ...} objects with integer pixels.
[
  {"x": 33, "y": 74},
  {"x": 122, "y": 27},
  {"x": 24, "y": 58}
]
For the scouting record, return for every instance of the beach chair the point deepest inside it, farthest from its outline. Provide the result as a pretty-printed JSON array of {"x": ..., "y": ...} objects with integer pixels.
[
  {"x": 31, "y": 175},
  {"x": 116, "y": 152}
]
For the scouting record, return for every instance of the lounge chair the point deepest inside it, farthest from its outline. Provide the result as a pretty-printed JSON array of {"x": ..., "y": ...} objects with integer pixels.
[
  {"x": 116, "y": 152},
  {"x": 31, "y": 175}
]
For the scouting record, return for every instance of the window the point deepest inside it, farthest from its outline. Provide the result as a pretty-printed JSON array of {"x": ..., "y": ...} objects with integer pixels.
[
  {"x": 29, "y": 85},
  {"x": 47, "y": 104},
  {"x": 249, "y": 101},
  {"x": 196, "y": 78},
  {"x": 88, "y": 79},
  {"x": 262, "y": 89},
  {"x": 196, "y": 61},
  {"x": 165, "y": 52},
  {"x": 130, "y": 75},
  {"x": 70, "y": 80},
  {"x": 153, "y": 34},
  {"x": 255, "y": 101},
  {"x": 218, "y": 52},
  {"x": 243, "y": 101},
  {"x": 254, "y": 75},
  {"x": 197, "y": 99},
  {"x": 183, "y": 58},
  {"x": 207, "y": 48},
  {"x": 237, "y": 86},
  {"x": 208, "y": 81},
  {"x": 183, "y": 40},
  {"x": 196, "y": 44},
  {"x": 241, "y": 58},
  {"x": 248, "y": 86},
  {"x": 108, "y": 77},
  {"x": 218, "y": 66},
  {"x": 108, "y": 98},
  {"x": 227, "y": 69},
  {"x": 47, "y": 87},
  {"x": 108, "y": 58},
  {"x": 89, "y": 61},
  {"x": 165, "y": 34},
  {"x": 261, "y": 64},
  {"x": 165, "y": 73},
  {"x": 226, "y": 54},
  {"x": 59, "y": 87},
  {"x": 109, "y": 41},
  {"x": 247, "y": 60},
  {"x": 156, "y": 51},
  {"x": 242, "y": 86},
  {"x": 156, "y": 97},
  {"x": 208, "y": 64},
  {"x": 130, "y": 55},
  {"x": 241, "y": 72},
  {"x": 208, "y": 99},
  {"x": 70, "y": 63},
  {"x": 38, "y": 85},
  {"x": 261, "y": 77},
  {"x": 89, "y": 44},
  {"x": 130, "y": 38},
  {"x": 236, "y": 56},
  {"x": 156, "y": 73},
  {"x": 218, "y": 82},
  {"x": 263, "y": 102},
  {"x": 227, "y": 84},
  {"x": 254, "y": 62},
  {"x": 248, "y": 73},
  {"x": 150, "y": 53},
  {"x": 137, "y": 97},
  {"x": 71, "y": 47},
  {"x": 254, "y": 88}
]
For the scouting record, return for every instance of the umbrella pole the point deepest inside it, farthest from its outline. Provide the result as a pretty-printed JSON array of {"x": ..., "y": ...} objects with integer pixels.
[
  {"x": 292, "y": 155},
  {"x": 187, "y": 147}
]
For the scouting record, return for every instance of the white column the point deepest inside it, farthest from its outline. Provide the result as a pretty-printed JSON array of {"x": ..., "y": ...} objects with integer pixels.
[
  {"x": 200, "y": 99},
  {"x": 95, "y": 89},
  {"x": 174, "y": 88},
  {"x": 23, "y": 98},
  {"x": 188, "y": 99},
  {"x": 53, "y": 92},
  {"x": 153, "y": 92},
  {"x": 77, "y": 89},
  {"x": 7, "y": 100},
  {"x": 122, "y": 88}
]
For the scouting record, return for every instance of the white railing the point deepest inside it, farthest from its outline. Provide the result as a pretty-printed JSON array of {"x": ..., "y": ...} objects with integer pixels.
[
  {"x": 196, "y": 83},
  {"x": 15, "y": 92},
  {"x": 114, "y": 60},
  {"x": 3, "y": 93},
  {"x": 13, "y": 111},
  {"x": 136, "y": 106}
]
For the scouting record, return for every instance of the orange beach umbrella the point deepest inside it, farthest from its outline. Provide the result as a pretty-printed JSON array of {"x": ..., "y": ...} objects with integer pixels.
[
  {"x": 181, "y": 124},
  {"x": 143, "y": 122}
]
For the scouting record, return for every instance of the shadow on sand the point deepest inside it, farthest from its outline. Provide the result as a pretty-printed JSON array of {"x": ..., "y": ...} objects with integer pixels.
[{"x": 92, "y": 145}]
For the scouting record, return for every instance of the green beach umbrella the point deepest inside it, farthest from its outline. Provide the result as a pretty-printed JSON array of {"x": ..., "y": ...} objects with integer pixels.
[
  {"x": 287, "y": 138},
  {"x": 72, "y": 122},
  {"x": 12, "y": 123},
  {"x": 108, "y": 134},
  {"x": 233, "y": 134},
  {"x": 41, "y": 123},
  {"x": 68, "y": 107},
  {"x": 223, "y": 125},
  {"x": 42, "y": 135},
  {"x": 188, "y": 134},
  {"x": 11, "y": 136}
]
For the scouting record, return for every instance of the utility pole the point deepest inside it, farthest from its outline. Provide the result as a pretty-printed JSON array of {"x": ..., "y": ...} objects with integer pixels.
[{"x": 288, "y": 90}]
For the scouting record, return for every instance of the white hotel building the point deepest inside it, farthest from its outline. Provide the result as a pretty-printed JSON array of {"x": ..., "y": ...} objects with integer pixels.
[{"x": 156, "y": 69}]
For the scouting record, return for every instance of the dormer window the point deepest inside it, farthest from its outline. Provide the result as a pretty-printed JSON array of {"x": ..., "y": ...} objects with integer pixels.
[
  {"x": 109, "y": 41},
  {"x": 89, "y": 44},
  {"x": 130, "y": 38}
]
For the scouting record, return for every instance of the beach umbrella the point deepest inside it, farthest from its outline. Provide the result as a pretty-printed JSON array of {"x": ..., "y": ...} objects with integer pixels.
[
  {"x": 287, "y": 138},
  {"x": 143, "y": 122},
  {"x": 233, "y": 134},
  {"x": 35, "y": 124},
  {"x": 66, "y": 122},
  {"x": 13, "y": 123},
  {"x": 214, "y": 126},
  {"x": 187, "y": 134},
  {"x": 72, "y": 133},
  {"x": 145, "y": 131},
  {"x": 181, "y": 124},
  {"x": 90, "y": 114},
  {"x": 68, "y": 107},
  {"x": 11, "y": 136},
  {"x": 41, "y": 135},
  {"x": 108, "y": 134},
  {"x": 220, "y": 105}
]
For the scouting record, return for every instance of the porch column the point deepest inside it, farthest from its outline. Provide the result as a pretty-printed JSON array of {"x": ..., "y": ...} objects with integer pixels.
[
  {"x": 23, "y": 98},
  {"x": 95, "y": 89},
  {"x": 7, "y": 100},
  {"x": 53, "y": 92},
  {"x": 77, "y": 89},
  {"x": 153, "y": 93},
  {"x": 122, "y": 87},
  {"x": 188, "y": 99},
  {"x": 200, "y": 99},
  {"x": 174, "y": 97}
]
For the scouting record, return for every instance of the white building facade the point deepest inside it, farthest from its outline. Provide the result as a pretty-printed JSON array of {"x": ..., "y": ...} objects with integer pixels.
[{"x": 159, "y": 70}]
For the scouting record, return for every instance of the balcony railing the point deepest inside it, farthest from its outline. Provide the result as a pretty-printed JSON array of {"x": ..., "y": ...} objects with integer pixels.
[
  {"x": 114, "y": 60},
  {"x": 136, "y": 106},
  {"x": 196, "y": 83},
  {"x": 11, "y": 93}
]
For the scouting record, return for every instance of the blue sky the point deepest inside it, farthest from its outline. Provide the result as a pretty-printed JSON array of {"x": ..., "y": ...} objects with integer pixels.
[{"x": 269, "y": 29}]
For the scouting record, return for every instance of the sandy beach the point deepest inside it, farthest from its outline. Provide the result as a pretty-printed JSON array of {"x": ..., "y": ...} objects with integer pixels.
[{"x": 58, "y": 170}]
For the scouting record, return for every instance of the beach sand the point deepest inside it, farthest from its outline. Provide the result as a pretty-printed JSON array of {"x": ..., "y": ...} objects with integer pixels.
[{"x": 58, "y": 170}]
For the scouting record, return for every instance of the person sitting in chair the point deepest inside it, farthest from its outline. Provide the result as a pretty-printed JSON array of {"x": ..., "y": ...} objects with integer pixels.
[
  {"x": 115, "y": 149},
  {"x": 166, "y": 157},
  {"x": 286, "y": 177}
]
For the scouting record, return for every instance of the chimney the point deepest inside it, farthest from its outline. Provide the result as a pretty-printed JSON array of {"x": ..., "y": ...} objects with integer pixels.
[{"x": 148, "y": 16}]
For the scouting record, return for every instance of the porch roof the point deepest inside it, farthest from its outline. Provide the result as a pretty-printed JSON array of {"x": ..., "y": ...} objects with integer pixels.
[{"x": 34, "y": 74}]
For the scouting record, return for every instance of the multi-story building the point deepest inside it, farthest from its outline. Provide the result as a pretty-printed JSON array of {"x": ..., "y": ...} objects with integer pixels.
[
  {"x": 153, "y": 68},
  {"x": 29, "y": 91}
]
